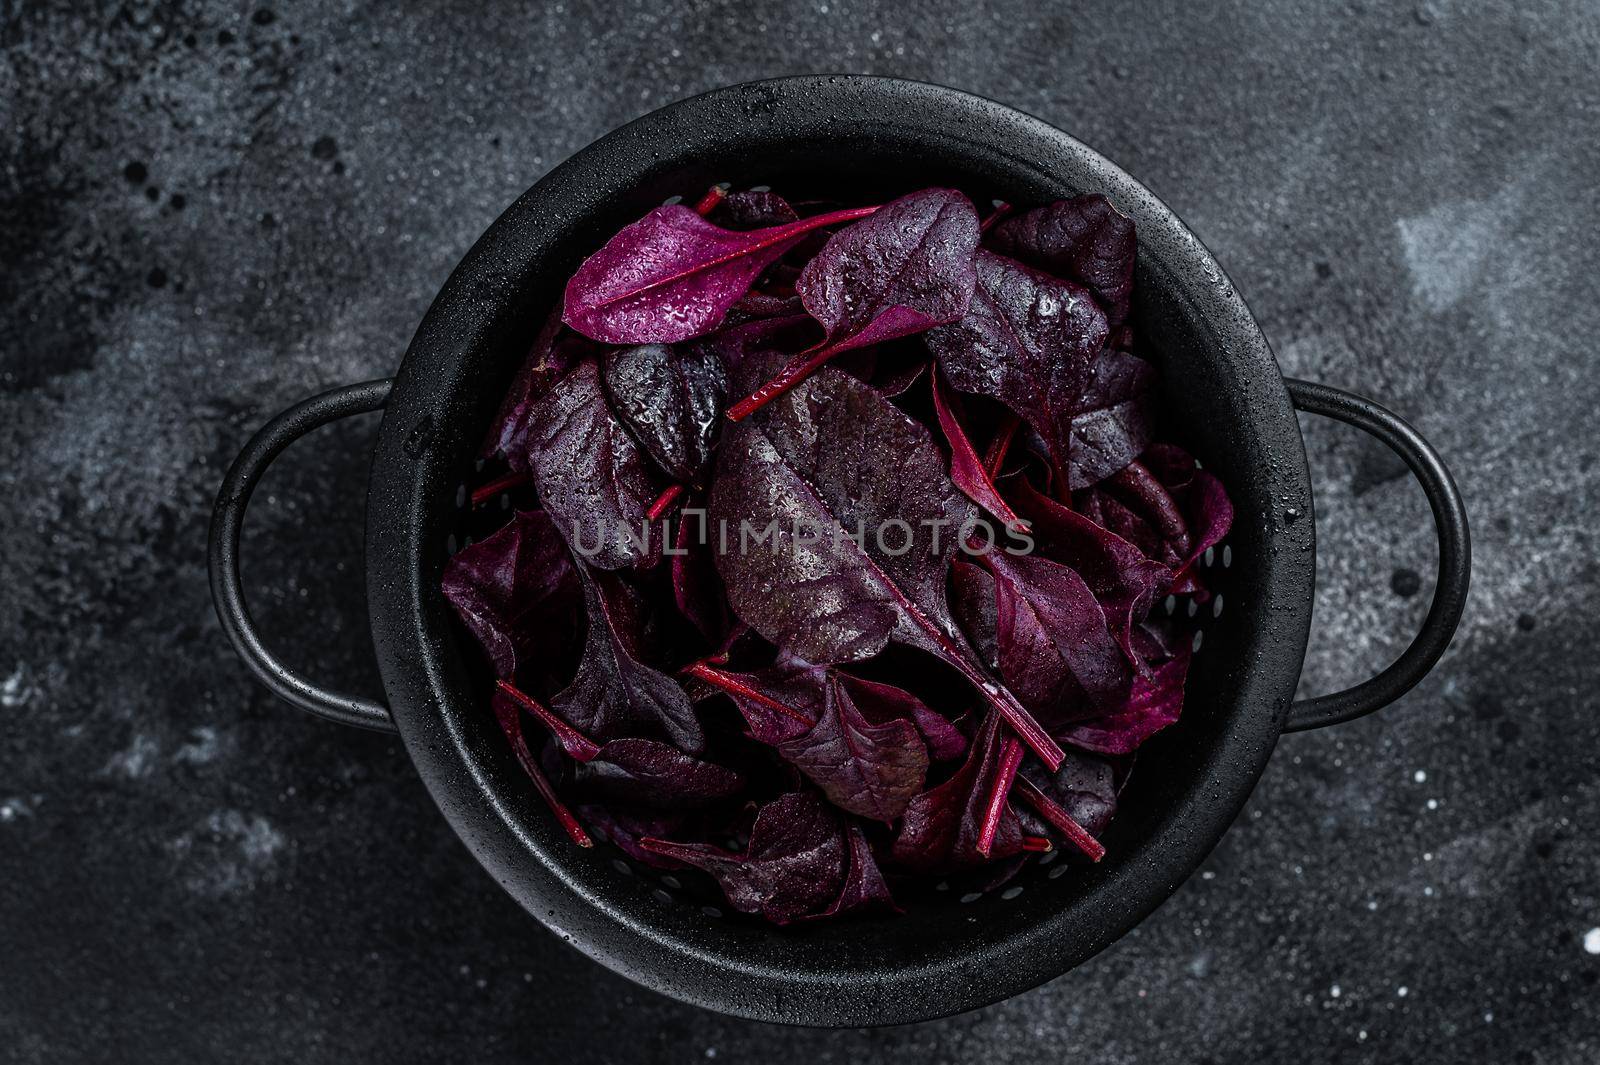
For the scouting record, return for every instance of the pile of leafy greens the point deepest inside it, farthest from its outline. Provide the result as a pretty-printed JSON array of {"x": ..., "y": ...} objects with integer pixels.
[{"x": 750, "y": 615}]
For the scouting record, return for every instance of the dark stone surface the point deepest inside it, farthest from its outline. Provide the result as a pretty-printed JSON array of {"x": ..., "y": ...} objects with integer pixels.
[{"x": 208, "y": 211}]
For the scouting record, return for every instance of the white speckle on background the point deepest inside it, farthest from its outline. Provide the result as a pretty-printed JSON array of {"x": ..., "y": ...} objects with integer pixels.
[
  {"x": 1591, "y": 941},
  {"x": 1450, "y": 247},
  {"x": 1420, "y": 776},
  {"x": 15, "y": 689},
  {"x": 136, "y": 760},
  {"x": 227, "y": 853},
  {"x": 203, "y": 748}
]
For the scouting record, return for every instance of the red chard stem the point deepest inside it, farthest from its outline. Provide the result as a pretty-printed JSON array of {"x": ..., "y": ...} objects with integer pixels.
[
  {"x": 709, "y": 201},
  {"x": 1059, "y": 819},
  {"x": 736, "y": 686},
  {"x": 1038, "y": 844},
  {"x": 485, "y": 492},
  {"x": 798, "y": 369},
  {"x": 664, "y": 502},
  {"x": 1011, "y": 752},
  {"x": 511, "y": 724},
  {"x": 995, "y": 457},
  {"x": 1001, "y": 209},
  {"x": 575, "y": 743}
]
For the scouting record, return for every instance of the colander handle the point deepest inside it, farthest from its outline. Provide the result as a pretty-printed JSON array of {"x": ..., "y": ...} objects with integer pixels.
[
  {"x": 1455, "y": 558},
  {"x": 227, "y": 592}
]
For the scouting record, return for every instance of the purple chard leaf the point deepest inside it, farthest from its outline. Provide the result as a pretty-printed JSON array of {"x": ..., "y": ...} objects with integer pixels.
[
  {"x": 615, "y": 693},
  {"x": 905, "y": 270},
  {"x": 673, "y": 275},
  {"x": 671, "y": 398},
  {"x": 1124, "y": 581},
  {"x": 1084, "y": 239},
  {"x": 830, "y": 461},
  {"x": 864, "y": 886},
  {"x": 941, "y": 829},
  {"x": 794, "y": 866},
  {"x": 1085, "y": 787},
  {"x": 554, "y": 352},
  {"x": 1035, "y": 343},
  {"x": 1056, "y": 648},
  {"x": 859, "y": 741},
  {"x": 751, "y": 210},
  {"x": 1154, "y": 702},
  {"x": 592, "y": 477},
  {"x": 517, "y": 592},
  {"x": 653, "y": 774},
  {"x": 1110, "y": 422}
]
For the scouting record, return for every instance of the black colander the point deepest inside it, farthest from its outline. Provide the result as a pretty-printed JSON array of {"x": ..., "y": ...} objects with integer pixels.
[{"x": 852, "y": 139}]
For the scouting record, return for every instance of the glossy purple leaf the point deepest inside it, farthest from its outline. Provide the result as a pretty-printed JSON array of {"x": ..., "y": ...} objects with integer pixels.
[
  {"x": 871, "y": 770},
  {"x": 592, "y": 476},
  {"x": 671, "y": 398},
  {"x": 972, "y": 601},
  {"x": 1084, "y": 239},
  {"x": 939, "y": 833},
  {"x": 1111, "y": 420},
  {"x": 904, "y": 270},
  {"x": 826, "y": 460},
  {"x": 756, "y": 340},
  {"x": 615, "y": 694},
  {"x": 624, "y": 827},
  {"x": 673, "y": 275},
  {"x": 752, "y": 210},
  {"x": 1122, "y": 578},
  {"x": 1155, "y": 701},
  {"x": 652, "y": 774},
  {"x": 696, "y": 588},
  {"x": 880, "y": 702},
  {"x": 758, "y": 306},
  {"x": 1055, "y": 644},
  {"x": 794, "y": 866},
  {"x": 859, "y": 741},
  {"x": 555, "y": 350},
  {"x": 1034, "y": 343},
  {"x": 518, "y": 594},
  {"x": 1207, "y": 511},
  {"x": 864, "y": 885},
  {"x": 1166, "y": 506}
]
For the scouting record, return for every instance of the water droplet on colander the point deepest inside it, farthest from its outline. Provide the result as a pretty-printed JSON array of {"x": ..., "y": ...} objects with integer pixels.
[{"x": 1291, "y": 515}]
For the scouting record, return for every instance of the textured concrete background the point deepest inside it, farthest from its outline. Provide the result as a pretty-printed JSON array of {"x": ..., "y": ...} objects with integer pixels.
[{"x": 208, "y": 211}]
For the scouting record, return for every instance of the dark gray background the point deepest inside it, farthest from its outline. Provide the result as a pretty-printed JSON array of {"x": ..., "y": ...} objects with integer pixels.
[{"x": 209, "y": 211}]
